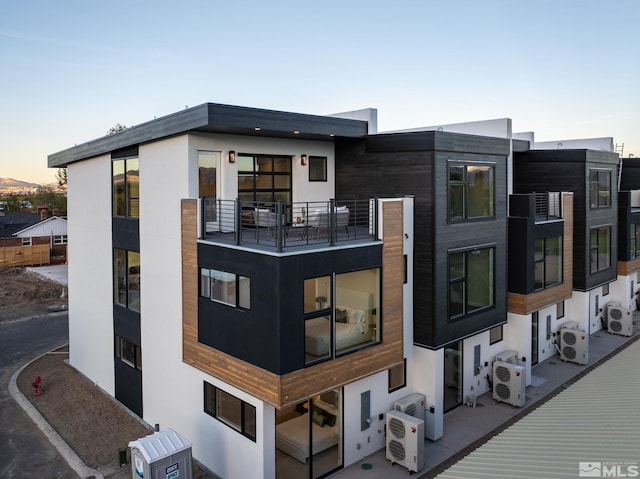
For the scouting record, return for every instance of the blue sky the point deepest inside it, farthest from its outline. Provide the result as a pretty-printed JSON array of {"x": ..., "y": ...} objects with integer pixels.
[{"x": 70, "y": 70}]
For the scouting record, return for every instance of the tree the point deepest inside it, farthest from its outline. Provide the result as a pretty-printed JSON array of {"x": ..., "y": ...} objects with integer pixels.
[
  {"x": 47, "y": 196},
  {"x": 61, "y": 176}
]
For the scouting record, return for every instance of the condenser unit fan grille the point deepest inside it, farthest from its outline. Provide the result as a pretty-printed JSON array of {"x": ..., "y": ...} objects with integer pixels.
[
  {"x": 615, "y": 326},
  {"x": 396, "y": 426},
  {"x": 411, "y": 410},
  {"x": 503, "y": 374},
  {"x": 569, "y": 338},
  {"x": 503, "y": 391},
  {"x": 615, "y": 313},
  {"x": 396, "y": 448},
  {"x": 569, "y": 352}
]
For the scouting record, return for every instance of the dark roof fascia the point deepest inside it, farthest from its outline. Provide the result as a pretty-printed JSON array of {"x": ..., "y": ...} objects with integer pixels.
[
  {"x": 437, "y": 141},
  {"x": 216, "y": 118},
  {"x": 577, "y": 155}
]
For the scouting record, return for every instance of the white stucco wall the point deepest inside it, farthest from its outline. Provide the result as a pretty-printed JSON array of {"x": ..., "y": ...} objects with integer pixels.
[
  {"x": 172, "y": 390},
  {"x": 91, "y": 271}
]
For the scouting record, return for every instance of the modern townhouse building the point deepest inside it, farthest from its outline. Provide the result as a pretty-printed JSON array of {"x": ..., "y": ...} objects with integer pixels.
[
  {"x": 269, "y": 284},
  {"x": 222, "y": 287},
  {"x": 592, "y": 177}
]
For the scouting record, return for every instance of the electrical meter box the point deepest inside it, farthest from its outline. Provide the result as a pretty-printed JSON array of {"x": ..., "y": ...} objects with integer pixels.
[{"x": 162, "y": 455}]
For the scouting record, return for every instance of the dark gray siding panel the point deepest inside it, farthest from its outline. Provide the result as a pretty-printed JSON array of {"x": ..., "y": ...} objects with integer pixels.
[
  {"x": 405, "y": 164},
  {"x": 270, "y": 334},
  {"x": 568, "y": 170}
]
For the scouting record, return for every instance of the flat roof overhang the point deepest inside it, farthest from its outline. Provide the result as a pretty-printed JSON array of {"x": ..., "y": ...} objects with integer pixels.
[{"x": 216, "y": 118}]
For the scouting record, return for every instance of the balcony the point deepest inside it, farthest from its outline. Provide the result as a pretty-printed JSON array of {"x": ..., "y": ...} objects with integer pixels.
[{"x": 279, "y": 226}]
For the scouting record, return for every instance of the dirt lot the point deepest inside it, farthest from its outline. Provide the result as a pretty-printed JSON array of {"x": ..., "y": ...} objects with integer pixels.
[
  {"x": 25, "y": 294},
  {"x": 91, "y": 422}
]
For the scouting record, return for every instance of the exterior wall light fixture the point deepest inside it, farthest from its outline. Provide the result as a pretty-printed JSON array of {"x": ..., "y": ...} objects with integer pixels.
[
  {"x": 303, "y": 159},
  {"x": 232, "y": 156}
]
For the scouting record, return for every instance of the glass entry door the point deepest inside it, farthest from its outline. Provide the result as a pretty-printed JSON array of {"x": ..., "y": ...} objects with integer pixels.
[
  {"x": 452, "y": 376},
  {"x": 264, "y": 179}
]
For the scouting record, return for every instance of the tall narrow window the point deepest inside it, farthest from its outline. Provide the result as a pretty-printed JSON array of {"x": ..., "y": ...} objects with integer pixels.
[
  {"x": 471, "y": 281},
  {"x": 126, "y": 278},
  {"x": 600, "y": 188},
  {"x": 126, "y": 187},
  {"x": 600, "y": 248},
  {"x": 471, "y": 191},
  {"x": 207, "y": 183},
  {"x": 634, "y": 241},
  {"x": 548, "y": 262}
]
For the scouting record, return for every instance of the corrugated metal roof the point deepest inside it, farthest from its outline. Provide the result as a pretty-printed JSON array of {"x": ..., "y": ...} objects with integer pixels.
[{"x": 595, "y": 421}]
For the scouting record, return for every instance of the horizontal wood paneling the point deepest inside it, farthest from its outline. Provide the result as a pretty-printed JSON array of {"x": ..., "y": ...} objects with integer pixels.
[
  {"x": 281, "y": 391},
  {"x": 625, "y": 268}
]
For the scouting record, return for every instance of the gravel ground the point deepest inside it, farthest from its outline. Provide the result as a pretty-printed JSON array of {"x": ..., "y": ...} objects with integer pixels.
[{"x": 94, "y": 424}]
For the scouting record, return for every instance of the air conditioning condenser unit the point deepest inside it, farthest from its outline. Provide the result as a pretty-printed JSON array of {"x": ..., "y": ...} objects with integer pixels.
[
  {"x": 405, "y": 440},
  {"x": 509, "y": 383}
]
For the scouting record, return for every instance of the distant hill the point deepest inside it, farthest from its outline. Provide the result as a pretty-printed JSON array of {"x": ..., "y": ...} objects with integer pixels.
[{"x": 10, "y": 185}]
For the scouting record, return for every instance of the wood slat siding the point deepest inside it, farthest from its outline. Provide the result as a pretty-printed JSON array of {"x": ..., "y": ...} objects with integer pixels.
[
  {"x": 625, "y": 268},
  {"x": 35, "y": 255},
  {"x": 528, "y": 303},
  {"x": 281, "y": 391}
]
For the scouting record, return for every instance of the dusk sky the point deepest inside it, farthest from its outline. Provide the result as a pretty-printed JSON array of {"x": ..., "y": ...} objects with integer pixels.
[{"x": 70, "y": 70}]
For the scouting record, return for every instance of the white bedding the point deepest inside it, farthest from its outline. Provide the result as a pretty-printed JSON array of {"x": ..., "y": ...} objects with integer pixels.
[
  {"x": 353, "y": 332},
  {"x": 292, "y": 437}
]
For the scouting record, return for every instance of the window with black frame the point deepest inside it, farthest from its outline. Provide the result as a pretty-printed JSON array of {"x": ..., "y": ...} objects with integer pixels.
[
  {"x": 126, "y": 278},
  {"x": 471, "y": 281},
  {"x": 225, "y": 287},
  {"x": 346, "y": 322},
  {"x": 600, "y": 188},
  {"x": 125, "y": 182},
  {"x": 230, "y": 410},
  {"x": 600, "y": 248},
  {"x": 634, "y": 241},
  {"x": 471, "y": 191},
  {"x": 547, "y": 262},
  {"x": 317, "y": 168}
]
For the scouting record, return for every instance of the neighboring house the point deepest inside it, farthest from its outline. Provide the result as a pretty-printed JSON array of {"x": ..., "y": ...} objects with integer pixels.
[
  {"x": 30, "y": 239},
  {"x": 269, "y": 283}
]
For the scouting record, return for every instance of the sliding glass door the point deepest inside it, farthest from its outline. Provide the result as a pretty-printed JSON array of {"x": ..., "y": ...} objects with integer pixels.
[{"x": 309, "y": 438}]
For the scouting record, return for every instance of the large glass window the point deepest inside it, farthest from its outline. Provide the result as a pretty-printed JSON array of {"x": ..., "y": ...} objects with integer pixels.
[
  {"x": 471, "y": 281},
  {"x": 230, "y": 410},
  {"x": 264, "y": 179},
  {"x": 600, "y": 248},
  {"x": 600, "y": 188},
  {"x": 126, "y": 187},
  {"x": 471, "y": 191},
  {"x": 548, "y": 262},
  {"x": 224, "y": 287},
  {"x": 341, "y": 312},
  {"x": 126, "y": 275}
]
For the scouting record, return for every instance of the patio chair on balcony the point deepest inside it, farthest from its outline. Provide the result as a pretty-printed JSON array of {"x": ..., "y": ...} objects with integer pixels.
[
  {"x": 319, "y": 220},
  {"x": 265, "y": 218}
]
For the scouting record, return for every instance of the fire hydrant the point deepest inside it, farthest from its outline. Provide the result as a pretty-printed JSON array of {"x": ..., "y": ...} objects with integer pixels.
[{"x": 37, "y": 388}]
